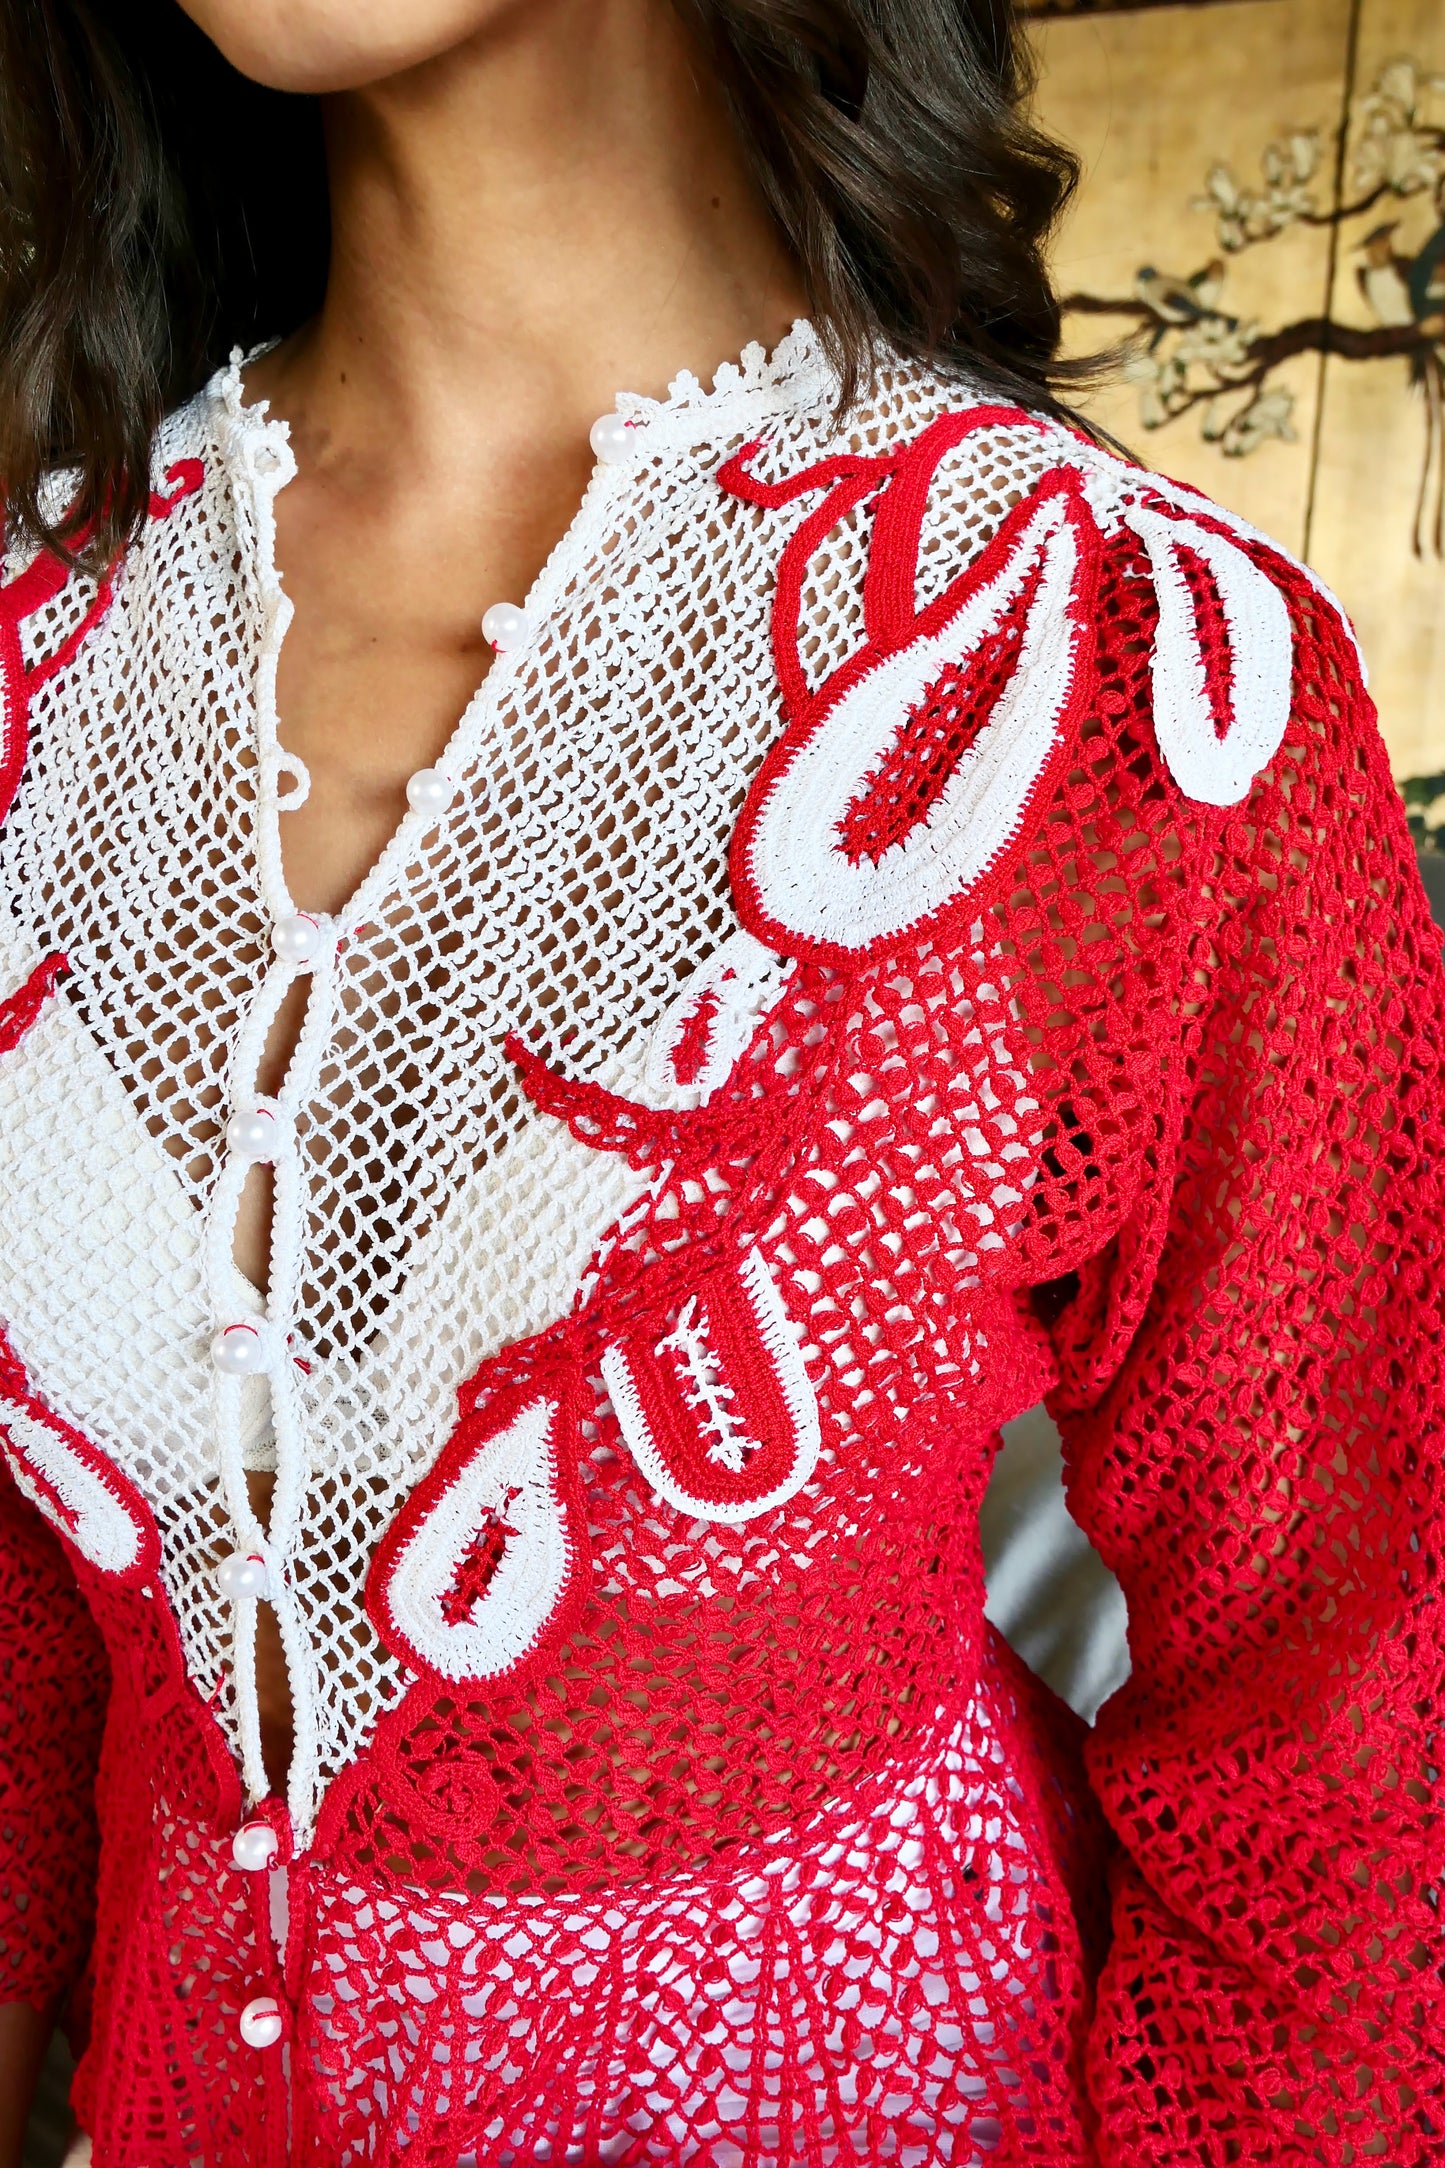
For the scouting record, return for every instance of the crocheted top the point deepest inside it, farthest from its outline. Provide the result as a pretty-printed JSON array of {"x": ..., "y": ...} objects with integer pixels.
[{"x": 919, "y": 921}]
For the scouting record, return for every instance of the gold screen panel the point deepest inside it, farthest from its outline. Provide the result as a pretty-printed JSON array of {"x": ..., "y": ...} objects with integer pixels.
[{"x": 1262, "y": 221}]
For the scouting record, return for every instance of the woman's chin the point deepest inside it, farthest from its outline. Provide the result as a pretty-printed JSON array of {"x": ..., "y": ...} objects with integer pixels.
[{"x": 322, "y": 47}]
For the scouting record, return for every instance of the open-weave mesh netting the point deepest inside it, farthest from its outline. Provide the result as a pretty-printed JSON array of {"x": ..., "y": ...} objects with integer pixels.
[
  {"x": 569, "y": 901},
  {"x": 753, "y": 1851}
]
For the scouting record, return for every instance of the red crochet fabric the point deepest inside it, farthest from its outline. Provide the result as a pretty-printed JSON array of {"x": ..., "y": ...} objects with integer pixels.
[
  {"x": 727, "y": 1833},
  {"x": 52, "y": 1708}
]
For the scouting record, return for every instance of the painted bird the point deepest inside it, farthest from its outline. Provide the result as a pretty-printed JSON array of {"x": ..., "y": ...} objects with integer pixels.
[
  {"x": 1384, "y": 277},
  {"x": 1427, "y": 278},
  {"x": 1178, "y": 301}
]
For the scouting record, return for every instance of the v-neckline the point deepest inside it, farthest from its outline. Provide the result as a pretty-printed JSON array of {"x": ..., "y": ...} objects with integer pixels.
[{"x": 261, "y": 459}]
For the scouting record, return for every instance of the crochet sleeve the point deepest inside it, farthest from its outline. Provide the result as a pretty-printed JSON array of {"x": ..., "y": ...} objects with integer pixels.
[
  {"x": 1252, "y": 1402},
  {"x": 53, "y": 1684}
]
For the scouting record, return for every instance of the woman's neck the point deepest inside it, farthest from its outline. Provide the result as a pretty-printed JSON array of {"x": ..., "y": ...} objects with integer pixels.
[{"x": 551, "y": 212}]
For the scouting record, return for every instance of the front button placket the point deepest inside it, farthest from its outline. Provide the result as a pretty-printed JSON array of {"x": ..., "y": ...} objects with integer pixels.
[
  {"x": 314, "y": 960},
  {"x": 252, "y": 1338},
  {"x": 302, "y": 943}
]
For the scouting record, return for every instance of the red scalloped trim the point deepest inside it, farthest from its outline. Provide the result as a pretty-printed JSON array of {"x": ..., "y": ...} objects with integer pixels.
[
  {"x": 39, "y": 583},
  {"x": 19, "y": 1012},
  {"x": 643, "y": 1135}
]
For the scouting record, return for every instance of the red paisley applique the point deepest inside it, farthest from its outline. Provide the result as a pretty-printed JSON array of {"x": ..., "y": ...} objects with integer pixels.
[{"x": 719, "y": 1412}]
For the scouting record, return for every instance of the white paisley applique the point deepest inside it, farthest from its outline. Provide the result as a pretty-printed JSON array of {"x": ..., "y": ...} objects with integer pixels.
[
  {"x": 483, "y": 1567},
  {"x": 904, "y": 780},
  {"x": 76, "y": 1487},
  {"x": 1221, "y": 705},
  {"x": 710, "y": 1024}
]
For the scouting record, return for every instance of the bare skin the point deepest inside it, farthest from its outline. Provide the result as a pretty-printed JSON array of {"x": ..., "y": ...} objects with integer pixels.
[{"x": 535, "y": 204}]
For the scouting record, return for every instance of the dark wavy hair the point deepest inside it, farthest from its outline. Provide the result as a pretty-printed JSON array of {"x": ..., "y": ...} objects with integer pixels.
[{"x": 156, "y": 209}]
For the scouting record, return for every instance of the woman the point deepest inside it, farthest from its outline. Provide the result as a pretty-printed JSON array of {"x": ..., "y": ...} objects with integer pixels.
[{"x": 520, "y": 1231}]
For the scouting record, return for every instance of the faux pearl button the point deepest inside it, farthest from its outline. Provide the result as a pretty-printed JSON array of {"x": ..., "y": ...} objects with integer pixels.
[
  {"x": 241, "y": 1575},
  {"x": 251, "y": 1132},
  {"x": 254, "y": 1846},
  {"x": 612, "y": 439},
  {"x": 238, "y": 1351},
  {"x": 505, "y": 626},
  {"x": 262, "y": 2023},
  {"x": 298, "y": 939},
  {"x": 430, "y": 792}
]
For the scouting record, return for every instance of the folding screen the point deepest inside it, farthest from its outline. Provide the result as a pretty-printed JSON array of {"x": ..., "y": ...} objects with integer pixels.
[{"x": 1263, "y": 215}]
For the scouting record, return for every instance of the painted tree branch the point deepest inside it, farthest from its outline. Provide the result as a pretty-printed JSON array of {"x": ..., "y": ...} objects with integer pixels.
[
  {"x": 1340, "y": 215},
  {"x": 1263, "y": 355},
  {"x": 1346, "y": 211},
  {"x": 1311, "y": 335}
]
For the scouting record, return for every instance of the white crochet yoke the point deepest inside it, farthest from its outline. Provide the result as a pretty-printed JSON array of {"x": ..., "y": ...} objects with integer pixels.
[{"x": 426, "y": 1213}]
